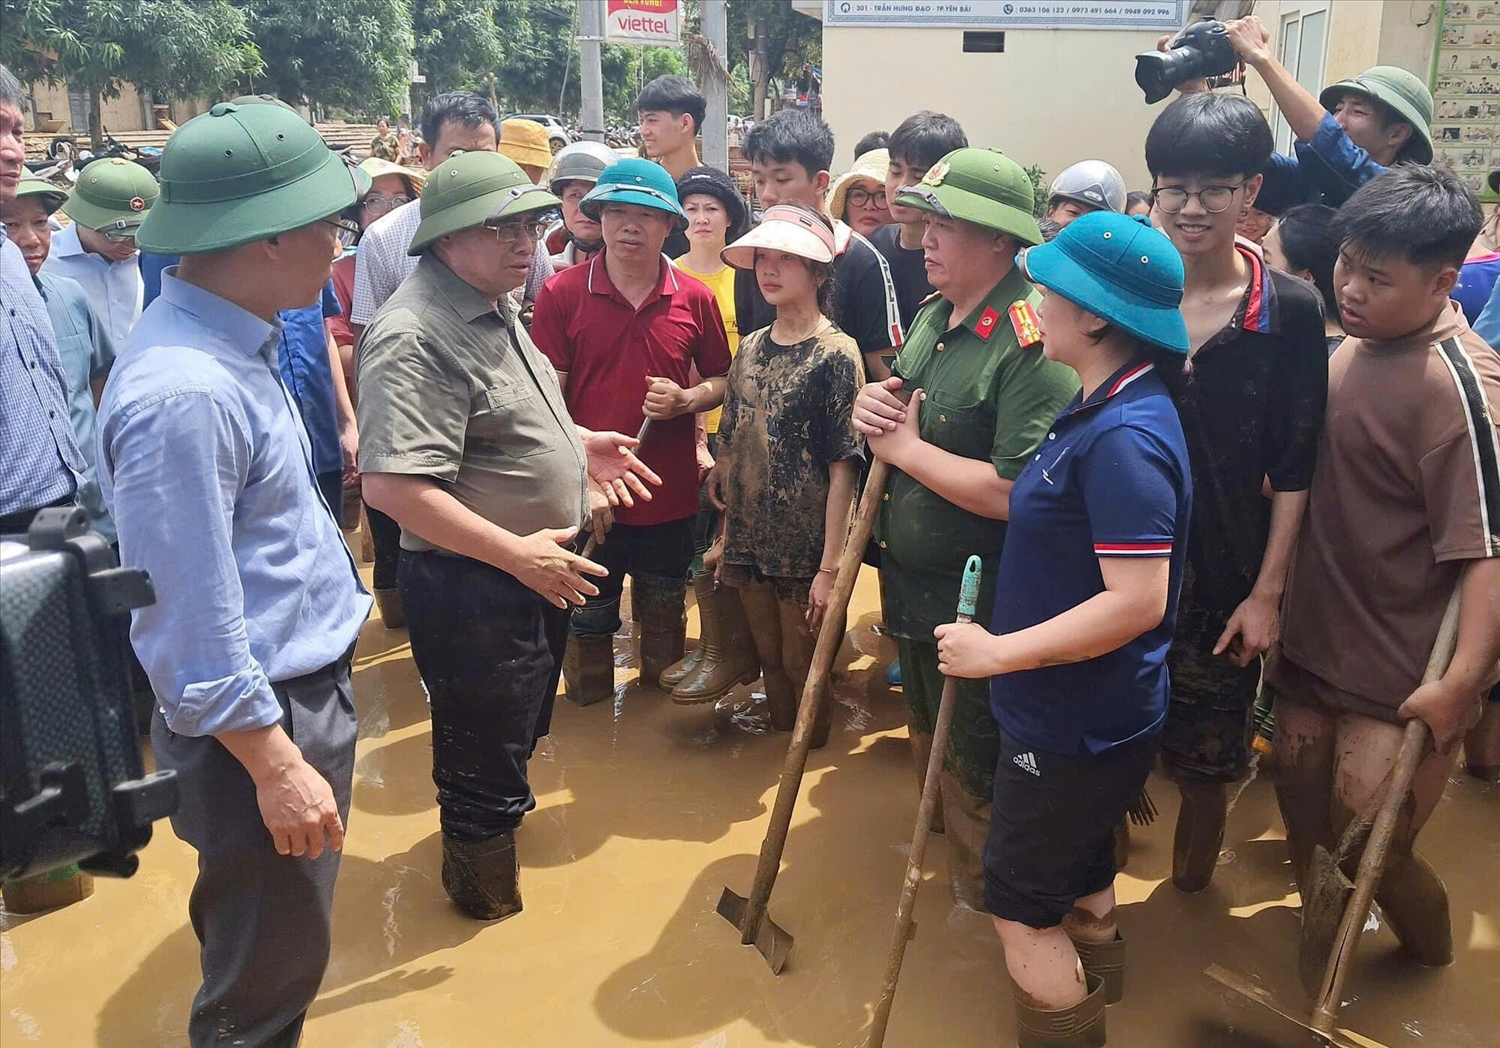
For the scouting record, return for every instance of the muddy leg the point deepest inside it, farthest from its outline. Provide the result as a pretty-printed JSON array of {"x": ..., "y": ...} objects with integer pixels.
[
  {"x": 1411, "y": 894},
  {"x": 764, "y": 616},
  {"x": 1304, "y": 781},
  {"x": 1482, "y": 744}
]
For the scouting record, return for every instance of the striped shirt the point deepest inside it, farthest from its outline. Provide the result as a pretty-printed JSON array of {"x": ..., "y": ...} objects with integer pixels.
[
  {"x": 382, "y": 263},
  {"x": 37, "y": 445}
]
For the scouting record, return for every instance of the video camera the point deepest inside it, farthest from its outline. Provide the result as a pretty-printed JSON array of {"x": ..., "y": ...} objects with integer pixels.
[
  {"x": 73, "y": 784},
  {"x": 1199, "y": 51}
]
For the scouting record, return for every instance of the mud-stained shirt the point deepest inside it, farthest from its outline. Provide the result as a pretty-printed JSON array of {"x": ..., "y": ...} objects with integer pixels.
[{"x": 787, "y": 415}]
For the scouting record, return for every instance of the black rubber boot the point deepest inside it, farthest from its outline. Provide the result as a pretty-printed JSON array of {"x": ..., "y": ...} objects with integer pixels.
[
  {"x": 392, "y": 611},
  {"x": 661, "y": 612},
  {"x": 1200, "y": 834},
  {"x": 1080, "y": 1026},
  {"x": 482, "y": 877}
]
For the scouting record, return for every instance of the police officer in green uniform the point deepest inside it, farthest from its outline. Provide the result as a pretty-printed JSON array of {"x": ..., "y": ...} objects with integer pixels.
[{"x": 981, "y": 398}]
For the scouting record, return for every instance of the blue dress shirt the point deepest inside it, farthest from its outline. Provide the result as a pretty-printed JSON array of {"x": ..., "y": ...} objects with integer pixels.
[
  {"x": 1327, "y": 169},
  {"x": 208, "y": 474},
  {"x": 42, "y": 464},
  {"x": 87, "y": 354},
  {"x": 114, "y": 289}
]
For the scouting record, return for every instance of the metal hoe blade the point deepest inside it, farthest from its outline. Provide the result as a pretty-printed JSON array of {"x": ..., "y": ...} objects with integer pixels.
[
  {"x": 773, "y": 942},
  {"x": 1340, "y": 1038}
]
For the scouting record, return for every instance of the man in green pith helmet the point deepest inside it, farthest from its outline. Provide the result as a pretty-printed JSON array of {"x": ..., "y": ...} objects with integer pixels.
[
  {"x": 107, "y": 206},
  {"x": 490, "y": 490},
  {"x": 207, "y": 473},
  {"x": 982, "y": 397}
]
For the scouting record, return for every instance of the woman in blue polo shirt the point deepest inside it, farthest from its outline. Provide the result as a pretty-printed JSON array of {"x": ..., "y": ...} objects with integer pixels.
[{"x": 1084, "y": 613}]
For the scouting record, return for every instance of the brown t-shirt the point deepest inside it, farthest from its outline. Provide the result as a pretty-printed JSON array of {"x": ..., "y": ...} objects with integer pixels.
[
  {"x": 1407, "y": 488},
  {"x": 787, "y": 415}
]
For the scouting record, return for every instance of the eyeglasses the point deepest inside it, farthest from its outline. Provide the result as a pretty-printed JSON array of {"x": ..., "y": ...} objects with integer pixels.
[
  {"x": 508, "y": 233},
  {"x": 1214, "y": 199},
  {"x": 120, "y": 238},
  {"x": 379, "y": 205},
  {"x": 348, "y": 231},
  {"x": 859, "y": 197}
]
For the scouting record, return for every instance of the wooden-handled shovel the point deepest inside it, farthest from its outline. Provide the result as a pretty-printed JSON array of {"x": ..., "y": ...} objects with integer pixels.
[
  {"x": 1333, "y": 914},
  {"x": 968, "y": 597},
  {"x": 749, "y": 915}
]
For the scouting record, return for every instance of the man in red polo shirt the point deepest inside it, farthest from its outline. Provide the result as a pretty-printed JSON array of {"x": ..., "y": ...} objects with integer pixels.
[{"x": 632, "y": 338}]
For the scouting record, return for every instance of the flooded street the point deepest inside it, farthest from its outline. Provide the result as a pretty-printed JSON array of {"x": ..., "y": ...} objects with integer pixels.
[{"x": 645, "y": 812}]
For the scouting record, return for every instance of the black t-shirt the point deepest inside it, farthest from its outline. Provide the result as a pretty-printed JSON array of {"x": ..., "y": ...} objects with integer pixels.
[
  {"x": 864, "y": 297},
  {"x": 908, "y": 270}
]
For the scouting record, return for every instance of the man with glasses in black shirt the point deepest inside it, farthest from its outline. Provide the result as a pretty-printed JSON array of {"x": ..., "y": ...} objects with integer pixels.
[{"x": 1252, "y": 413}]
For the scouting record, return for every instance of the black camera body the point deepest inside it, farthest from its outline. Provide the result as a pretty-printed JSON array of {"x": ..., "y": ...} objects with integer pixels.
[{"x": 1201, "y": 50}]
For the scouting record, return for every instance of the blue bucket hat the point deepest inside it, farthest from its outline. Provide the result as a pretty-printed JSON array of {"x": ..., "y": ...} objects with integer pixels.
[
  {"x": 1119, "y": 268},
  {"x": 639, "y": 182}
]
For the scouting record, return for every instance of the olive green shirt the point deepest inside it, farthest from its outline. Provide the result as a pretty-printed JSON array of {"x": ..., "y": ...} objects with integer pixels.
[
  {"x": 452, "y": 389},
  {"x": 988, "y": 399}
]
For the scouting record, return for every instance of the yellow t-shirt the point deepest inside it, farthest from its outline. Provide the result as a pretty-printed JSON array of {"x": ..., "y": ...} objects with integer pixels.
[{"x": 722, "y": 285}]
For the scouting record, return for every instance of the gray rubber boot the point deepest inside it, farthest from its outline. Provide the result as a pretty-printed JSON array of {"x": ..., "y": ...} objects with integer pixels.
[
  {"x": 729, "y": 657},
  {"x": 661, "y": 611},
  {"x": 483, "y": 878},
  {"x": 1106, "y": 960},
  {"x": 589, "y": 669},
  {"x": 685, "y": 667},
  {"x": 1080, "y": 1026}
]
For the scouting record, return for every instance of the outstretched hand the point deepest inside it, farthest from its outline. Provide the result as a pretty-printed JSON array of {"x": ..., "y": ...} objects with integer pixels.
[{"x": 613, "y": 465}]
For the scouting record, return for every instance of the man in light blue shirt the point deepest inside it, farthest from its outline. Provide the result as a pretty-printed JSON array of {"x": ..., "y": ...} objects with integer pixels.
[
  {"x": 42, "y": 464},
  {"x": 208, "y": 473},
  {"x": 83, "y": 344}
]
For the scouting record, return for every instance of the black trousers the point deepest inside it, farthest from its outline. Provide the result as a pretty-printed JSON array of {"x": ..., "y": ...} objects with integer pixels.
[
  {"x": 264, "y": 921},
  {"x": 385, "y": 536},
  {"x": 654, "y": 555},
  {"x": 490, "y": 652}
]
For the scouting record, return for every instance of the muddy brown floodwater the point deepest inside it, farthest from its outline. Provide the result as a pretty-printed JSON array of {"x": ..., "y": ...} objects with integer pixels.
[{"x": 645, "y": 811}]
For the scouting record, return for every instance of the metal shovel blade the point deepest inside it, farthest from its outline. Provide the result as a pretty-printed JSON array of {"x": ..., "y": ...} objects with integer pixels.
[
  {"x": 1328, "y": 895},
  {"x": 1340, "y": 1038},
  {"x": 770, "y": 939}
]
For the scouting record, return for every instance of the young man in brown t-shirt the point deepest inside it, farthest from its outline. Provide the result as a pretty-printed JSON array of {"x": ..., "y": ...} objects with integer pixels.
[{"x": 1405, "y": 506}]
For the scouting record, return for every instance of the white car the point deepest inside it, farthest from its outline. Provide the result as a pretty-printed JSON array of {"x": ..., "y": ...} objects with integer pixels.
[{"x": 557, "y": 134}]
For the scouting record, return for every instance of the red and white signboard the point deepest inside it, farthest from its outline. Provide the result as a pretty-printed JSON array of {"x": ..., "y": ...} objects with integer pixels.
[{"x": 643, "y": 22}]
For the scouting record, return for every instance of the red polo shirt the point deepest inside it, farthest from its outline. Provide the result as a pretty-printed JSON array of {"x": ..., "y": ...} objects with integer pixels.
[{"x": 607, "y": 347}]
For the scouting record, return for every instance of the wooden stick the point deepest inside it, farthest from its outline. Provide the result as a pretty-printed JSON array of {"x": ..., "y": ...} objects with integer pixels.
[
  {"x": 968, "y": 597},
  {"x": 830, "y": 637},
  {"x": 1372, "y": 861}
]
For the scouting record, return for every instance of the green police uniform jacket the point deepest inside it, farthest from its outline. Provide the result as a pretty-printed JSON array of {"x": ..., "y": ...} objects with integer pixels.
[{"x": 987, "y": 398}]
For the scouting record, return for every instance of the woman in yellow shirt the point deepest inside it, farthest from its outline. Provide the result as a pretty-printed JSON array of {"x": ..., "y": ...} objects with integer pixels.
[{"x": 725, "y": 655}]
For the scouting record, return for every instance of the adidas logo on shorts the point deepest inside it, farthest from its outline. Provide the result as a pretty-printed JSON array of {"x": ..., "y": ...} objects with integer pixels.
[{"x": 1027, "y": 762}]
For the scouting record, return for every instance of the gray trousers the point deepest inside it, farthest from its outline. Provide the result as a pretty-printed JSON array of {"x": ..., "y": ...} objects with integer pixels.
[{"x": 263, "y": 920}]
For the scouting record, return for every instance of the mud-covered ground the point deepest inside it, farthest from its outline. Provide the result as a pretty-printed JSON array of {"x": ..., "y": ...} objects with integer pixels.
[{"x": 645, "y": 811}]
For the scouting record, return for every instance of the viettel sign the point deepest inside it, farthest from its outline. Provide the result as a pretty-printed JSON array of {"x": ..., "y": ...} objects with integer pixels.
[{"x": 643, "y": 22}]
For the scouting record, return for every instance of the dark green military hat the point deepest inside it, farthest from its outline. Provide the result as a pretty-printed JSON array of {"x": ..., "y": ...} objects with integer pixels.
[
  {"x": 983, "y": 186},
  {"x": 241, "y": 173},
  {"x": 470, "y": 189},
  {"x": 51, "y": 197},
  {"x": 1403, "y": 92},
  {"x": 112, "y": 194}
]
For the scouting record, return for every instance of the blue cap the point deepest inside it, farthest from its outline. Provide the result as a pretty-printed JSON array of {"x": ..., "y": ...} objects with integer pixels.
[
  {"x": 1118, "y": 268},
  {"x": 635, "y": 181}
]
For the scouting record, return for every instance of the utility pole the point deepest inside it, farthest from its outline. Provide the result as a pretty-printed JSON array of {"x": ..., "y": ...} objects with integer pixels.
[
  {"x": 591, "y": 78},
  {"x": 716, "y": 91},
  {"x": 762, "y": 66}
]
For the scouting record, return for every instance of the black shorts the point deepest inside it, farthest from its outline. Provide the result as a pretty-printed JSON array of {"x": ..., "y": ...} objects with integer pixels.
[{"x": 1052, "y": 833}]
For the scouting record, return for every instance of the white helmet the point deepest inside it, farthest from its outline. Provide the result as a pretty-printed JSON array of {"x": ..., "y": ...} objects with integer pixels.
[
  {"x": 1093, "y": 183},
  {"x": 579, "y": 162}
]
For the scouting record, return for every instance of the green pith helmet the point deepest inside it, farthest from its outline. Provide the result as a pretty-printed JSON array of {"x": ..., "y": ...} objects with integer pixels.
[
  {"x": 50, "y": 196},
  {"x": 1403, "y": 92},
  {"x": 238, "y": 174},
  {"x": 982, "y": 186},
  {"x": 469, "y": 189},
  {"x": 112, "y": 194}
]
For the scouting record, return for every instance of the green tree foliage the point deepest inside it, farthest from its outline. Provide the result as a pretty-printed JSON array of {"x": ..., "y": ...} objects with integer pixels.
[
  {"x": 182, "y": 48},
  {"x": 458, "y": 43},
  {"x": 792, "y": 40},
  {"x": 353, "y": 53}
]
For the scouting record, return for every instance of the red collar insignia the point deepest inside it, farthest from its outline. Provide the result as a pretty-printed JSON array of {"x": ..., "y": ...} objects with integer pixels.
[{"x": 984, "y": 327}]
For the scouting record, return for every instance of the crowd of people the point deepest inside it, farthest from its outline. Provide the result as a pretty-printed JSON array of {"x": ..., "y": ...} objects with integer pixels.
[{"x": 1227, "y": 444}]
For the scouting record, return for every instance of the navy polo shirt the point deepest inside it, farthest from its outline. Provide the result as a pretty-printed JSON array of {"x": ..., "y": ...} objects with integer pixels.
[
  {"x": 308, "y": 374},
  {"x": 1111, "y": 479}
]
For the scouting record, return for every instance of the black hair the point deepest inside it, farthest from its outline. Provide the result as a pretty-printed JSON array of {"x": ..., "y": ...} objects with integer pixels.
[
  {"x": 1420, "y": 213},
  {"x": 1307, "y": 241},
  {"x": 1134, "y": 197},
  {"x": 924, "y": 138},
  {"x": 675, "y": 95},
  {"x": 791, "y": 136},
  {"x": 10, "y": 89},
  {"x": 1209, "y": 134},
  {"x": 1175, "y": 369},
  {"x": 874, "y": 140},
  {"x": 456, "y": 107}
]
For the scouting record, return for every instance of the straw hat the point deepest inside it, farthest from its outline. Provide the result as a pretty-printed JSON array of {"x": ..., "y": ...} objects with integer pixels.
[
  {"x": 794, "y": 230},
  {"x": 525, "y": 142},
  {"x": 871, "y": 167},
  {"x": 377, "y": 166}
]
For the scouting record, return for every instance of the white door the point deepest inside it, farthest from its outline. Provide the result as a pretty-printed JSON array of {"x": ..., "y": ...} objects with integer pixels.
[{"x": 1301, "y": 47}]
